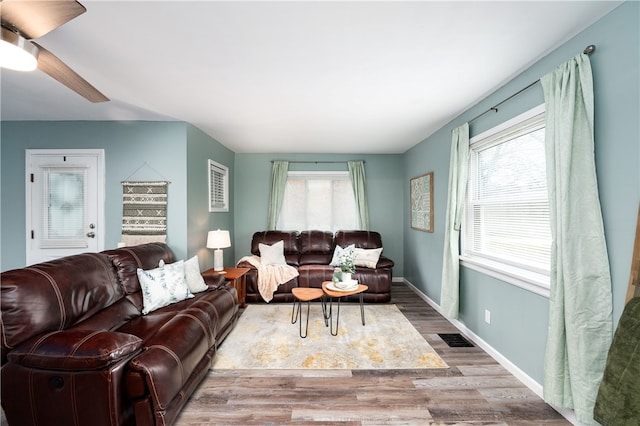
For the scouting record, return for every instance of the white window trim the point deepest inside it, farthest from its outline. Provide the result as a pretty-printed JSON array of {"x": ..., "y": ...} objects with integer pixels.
[
  {"x": 538, "y": 283},
  {"x": 224, "y": 170},
  {"x": 527, "y": 280},
  {"x": 509, "y": 123}
]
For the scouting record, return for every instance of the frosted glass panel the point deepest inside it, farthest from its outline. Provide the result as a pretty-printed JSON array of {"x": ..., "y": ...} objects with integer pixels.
[{"x": 64, "y": 221}]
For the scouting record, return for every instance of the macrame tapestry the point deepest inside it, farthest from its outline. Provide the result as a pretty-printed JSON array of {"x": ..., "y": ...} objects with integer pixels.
[{"x": 144, "y": 212}]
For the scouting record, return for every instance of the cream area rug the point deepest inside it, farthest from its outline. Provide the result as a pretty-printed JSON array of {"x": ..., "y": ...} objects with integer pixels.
[{"x": 264, "y": 338}]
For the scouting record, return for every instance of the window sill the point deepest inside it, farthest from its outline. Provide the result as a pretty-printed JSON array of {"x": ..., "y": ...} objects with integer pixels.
[{"x": 527, "y": 280}]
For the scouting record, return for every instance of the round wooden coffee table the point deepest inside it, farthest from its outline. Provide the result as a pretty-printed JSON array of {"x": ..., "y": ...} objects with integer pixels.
[{"x": 339, "y": 294}]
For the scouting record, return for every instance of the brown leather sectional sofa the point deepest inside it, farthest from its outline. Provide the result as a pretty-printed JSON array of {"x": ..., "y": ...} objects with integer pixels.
[
  {"x": 76, "y": 349},
  {"x": 311, "y": 252}
]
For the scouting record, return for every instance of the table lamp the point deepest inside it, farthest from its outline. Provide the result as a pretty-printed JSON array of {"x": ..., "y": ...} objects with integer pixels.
[{"x": 218, "y": 240}]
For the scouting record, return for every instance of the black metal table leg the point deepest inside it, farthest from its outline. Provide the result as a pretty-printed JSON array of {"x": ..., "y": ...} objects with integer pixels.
[
  {"x": 337, "y": 316},
  {"x": 325, "y": 313},
  {"x": 306, "y": 331},
  {"x": 293, "y": 320}
]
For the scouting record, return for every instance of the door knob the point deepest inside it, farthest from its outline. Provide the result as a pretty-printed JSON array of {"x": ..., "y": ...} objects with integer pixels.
[{"x": 91, "y": 234}]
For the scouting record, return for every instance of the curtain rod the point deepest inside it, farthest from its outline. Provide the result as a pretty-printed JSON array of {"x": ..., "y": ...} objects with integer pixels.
[
  {"x": 317, "y": 162},
  {"x": 587, "y": 51}
]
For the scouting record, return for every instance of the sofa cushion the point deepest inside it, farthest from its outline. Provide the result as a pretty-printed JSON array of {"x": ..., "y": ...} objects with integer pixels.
[
  {"x": 315, "y": 241},
  {"x": 289, "y": 238},
  {"x": 366, "y": 257},
  {"x": 127, "y": 260},
  {"x": 163, "y": 286},
  {"x": 361, "y": 239},
  {"x": 76, "y": 350},
  {"x": 111, "y": 318},
  {"x": 221, "y": 305},
  {"x": 313, "y": 275},
  {"x": 316, "y": 247},
  {"x": 273, "y": 254},
  {"x": 54, "y": 295}
]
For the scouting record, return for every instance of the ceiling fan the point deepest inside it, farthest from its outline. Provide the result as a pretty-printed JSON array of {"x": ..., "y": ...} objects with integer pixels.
[{"x": 25, "y": 20}]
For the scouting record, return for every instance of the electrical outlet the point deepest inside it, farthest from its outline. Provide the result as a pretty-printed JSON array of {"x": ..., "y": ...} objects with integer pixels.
[{"x": 487, "y": 316}]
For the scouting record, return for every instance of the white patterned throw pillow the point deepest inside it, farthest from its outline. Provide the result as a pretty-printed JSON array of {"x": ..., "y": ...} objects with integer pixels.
[
  {"x": 340, "y": 252},
  {"x": 163, "y": 286},
  {"x": 367, "y": 258}
]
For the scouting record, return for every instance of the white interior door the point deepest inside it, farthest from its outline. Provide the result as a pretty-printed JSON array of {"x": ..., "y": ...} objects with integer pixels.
[{"x": 65, "y": 203}]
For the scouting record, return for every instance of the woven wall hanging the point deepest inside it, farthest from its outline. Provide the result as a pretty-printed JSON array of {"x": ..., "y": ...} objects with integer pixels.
[{"x": 144, "y": 212}]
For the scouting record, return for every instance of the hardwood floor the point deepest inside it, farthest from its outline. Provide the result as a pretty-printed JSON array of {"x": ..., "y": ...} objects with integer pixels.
[{"x": 475, "y": 390}]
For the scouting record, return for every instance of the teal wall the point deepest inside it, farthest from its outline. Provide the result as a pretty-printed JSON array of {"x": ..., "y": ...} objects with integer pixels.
[
  {"x": 518, "y": 317},
  {"x": 133, "y": 150},
  {"x": 384, "y": 189},
  {"x": 199, "y": 219}
]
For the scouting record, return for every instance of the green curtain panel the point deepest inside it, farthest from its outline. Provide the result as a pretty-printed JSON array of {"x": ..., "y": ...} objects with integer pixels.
[
  {"x": 279, "y": 173},
  {"x": 358, "y": 181},
  {"x": 580, "y": 323},
  {"x": 458, "y": 172}
]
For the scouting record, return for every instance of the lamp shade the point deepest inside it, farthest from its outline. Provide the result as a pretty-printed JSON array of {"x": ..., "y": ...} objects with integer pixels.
[{"x": 218, "y": 239}]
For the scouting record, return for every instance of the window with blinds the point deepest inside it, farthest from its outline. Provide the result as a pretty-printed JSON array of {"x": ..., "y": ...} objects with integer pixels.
[
  {"x": 507, "y": 211},
  {"x": 218, "y": 187}
]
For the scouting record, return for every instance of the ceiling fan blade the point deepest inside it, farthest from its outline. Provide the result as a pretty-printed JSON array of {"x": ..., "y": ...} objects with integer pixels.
[
  {"x": 33, "y": 19},
  {"x": 52, "y": 65}
]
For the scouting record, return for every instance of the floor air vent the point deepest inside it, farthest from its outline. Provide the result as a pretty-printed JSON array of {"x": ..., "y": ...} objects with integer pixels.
[{"x": 455, "y": 340}]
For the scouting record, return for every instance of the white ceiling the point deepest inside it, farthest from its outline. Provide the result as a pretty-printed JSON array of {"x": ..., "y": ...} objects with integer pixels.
[{"x": 295, "y": 77}]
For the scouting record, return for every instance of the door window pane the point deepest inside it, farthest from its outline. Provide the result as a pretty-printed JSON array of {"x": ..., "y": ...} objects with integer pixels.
[{"x": 63, "y": 218}]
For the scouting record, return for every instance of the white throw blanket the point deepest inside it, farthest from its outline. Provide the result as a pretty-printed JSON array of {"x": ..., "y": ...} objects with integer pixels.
[{"x": 270, "y": 276}]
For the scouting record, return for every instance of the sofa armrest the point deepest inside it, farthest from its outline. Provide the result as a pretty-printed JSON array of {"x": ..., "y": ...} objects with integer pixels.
[
  {"x": 76, "y": 350},
  {"x": 384, "y": 262},
  {"x": 171, "y": 357},
  {"x": 213, "y": 280}
]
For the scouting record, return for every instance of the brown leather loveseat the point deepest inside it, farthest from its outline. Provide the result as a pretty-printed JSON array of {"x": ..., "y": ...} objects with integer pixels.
[
  {"x": 311, "y": 253},
  {"x": 77, "y": 350}
]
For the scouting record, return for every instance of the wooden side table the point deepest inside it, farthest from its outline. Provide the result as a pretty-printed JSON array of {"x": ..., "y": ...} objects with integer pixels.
[{"x": 237, "y": 277}]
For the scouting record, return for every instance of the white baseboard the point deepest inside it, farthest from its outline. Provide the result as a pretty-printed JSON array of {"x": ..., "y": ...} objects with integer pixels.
[{"x": 501, "y": 359}]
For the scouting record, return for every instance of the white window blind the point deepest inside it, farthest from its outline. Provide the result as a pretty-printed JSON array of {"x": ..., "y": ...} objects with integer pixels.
[
  {"x": 507, "y": 212},
  {"x": 318, "y": 200},
  {"x": 218, "y": 187},
  {"x": 63, "y": 218}
]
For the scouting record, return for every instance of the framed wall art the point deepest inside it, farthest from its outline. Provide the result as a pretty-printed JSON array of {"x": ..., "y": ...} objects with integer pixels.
[{"x": 421, "y": 199}]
